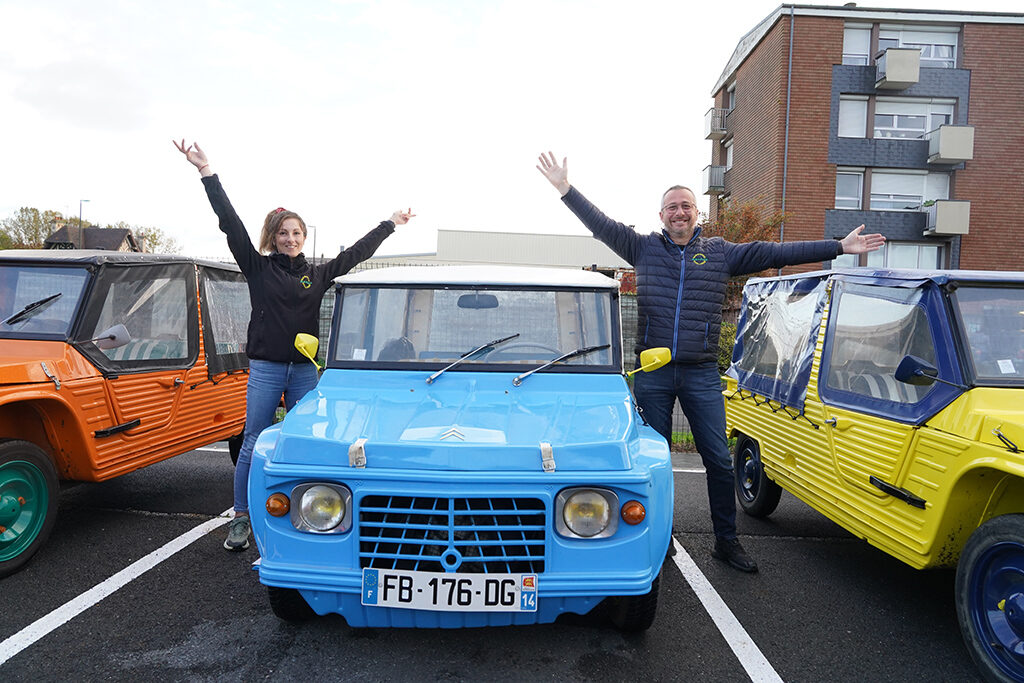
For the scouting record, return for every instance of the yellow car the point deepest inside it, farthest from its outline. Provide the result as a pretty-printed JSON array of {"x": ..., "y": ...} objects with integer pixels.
[{"x": 892, "y": 401}]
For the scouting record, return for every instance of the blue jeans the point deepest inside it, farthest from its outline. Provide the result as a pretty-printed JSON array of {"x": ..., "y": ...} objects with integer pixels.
[
  {"x": 699, "y": 392},
  {"x": 268, "y": 380}
]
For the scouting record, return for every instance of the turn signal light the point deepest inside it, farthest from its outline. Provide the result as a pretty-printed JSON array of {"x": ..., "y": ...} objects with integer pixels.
[
  {"x": 278, "y": 505},
  {"x": 633, "y": 512}
]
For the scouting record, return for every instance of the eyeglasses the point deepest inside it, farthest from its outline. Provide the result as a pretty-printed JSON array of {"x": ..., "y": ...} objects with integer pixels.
[{"x": 672, "y": 208}]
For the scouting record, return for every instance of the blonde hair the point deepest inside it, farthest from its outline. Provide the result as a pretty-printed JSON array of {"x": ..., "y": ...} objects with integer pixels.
[{"x": 272, "y": 224}]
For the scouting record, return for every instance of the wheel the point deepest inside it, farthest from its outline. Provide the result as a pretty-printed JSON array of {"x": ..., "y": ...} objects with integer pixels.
[
  {"x": 235, "y": 446},
  {"x": 28, "y": 502},
  {"x": 289, "y": 605},
  {"x": 635, "y": 613},
  {"x": 758, "y": 495},
  {"x": 990, "y": 597}
]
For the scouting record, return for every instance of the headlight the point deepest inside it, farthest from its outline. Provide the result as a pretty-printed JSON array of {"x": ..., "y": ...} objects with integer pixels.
[
  {"x": 321, "y": 508},
  {"x": 589, "y": 513}
]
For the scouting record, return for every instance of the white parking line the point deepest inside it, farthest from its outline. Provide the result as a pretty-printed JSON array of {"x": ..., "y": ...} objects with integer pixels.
[
  {"x": 71, "y": 609},
  {"x": 689, "y": 470},
  {"x": 753, "y": 662}
]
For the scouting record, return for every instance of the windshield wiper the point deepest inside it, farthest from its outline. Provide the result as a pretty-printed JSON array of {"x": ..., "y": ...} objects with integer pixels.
[
  {"x": 572, "y": 354},
  {"x": 32, "y": 308},
  {"x": 469, "y": 354}
]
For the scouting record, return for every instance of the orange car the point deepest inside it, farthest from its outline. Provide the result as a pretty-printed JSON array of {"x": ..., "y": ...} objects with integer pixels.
[{"x": 109, "y": 362}]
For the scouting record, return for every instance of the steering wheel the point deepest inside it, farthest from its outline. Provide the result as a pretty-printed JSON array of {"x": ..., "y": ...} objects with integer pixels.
[{"x": 521, "y": 345}]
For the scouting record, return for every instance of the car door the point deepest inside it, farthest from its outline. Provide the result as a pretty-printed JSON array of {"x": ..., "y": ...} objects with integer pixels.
[{"x": 145, "y": 379}]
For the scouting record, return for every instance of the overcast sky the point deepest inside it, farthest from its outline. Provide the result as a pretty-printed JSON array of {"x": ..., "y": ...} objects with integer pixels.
[{"x": 347, "y": 110}]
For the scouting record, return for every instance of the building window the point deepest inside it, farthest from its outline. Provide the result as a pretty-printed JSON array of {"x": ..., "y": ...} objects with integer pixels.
[
  {"x": 849, "y": 189},
  {"x": 853, "y": 116},
  {"x": 910, "y": 119},
  {"x": 728, "y": 155},
  {"x": 856, "y": 45},
  {"x": 894, "y": 191},
  {"x": 938, "y": 46},
  {"x": 925, "y": 255},
  {"x": 730, "y": 98}
]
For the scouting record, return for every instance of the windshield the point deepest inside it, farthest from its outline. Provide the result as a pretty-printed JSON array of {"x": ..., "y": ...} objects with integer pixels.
[
  {"x": 405, "y": 327},
  {"x": 38, "y": 299},
  {"x": 993, "y": 319}
]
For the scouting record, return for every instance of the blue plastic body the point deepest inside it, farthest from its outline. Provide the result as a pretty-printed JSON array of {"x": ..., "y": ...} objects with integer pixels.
[{"x": 596, "y": 438}]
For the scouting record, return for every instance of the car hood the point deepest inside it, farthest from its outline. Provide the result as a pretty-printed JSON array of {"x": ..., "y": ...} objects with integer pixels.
[
  {"x": 979, "y": 413},
  {"x": 463, "y": 421},
  {"x": 21, "y": 361}
]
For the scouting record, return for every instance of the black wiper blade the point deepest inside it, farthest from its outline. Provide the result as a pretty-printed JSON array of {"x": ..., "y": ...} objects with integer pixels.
[
  {"x": 469, "y": 354},
  {"x": 566, "y": 356},
  {"x": 33, "y": 307}
]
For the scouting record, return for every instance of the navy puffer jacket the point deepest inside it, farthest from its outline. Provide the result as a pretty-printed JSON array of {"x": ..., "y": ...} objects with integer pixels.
[{"x": 680, "y": 290}]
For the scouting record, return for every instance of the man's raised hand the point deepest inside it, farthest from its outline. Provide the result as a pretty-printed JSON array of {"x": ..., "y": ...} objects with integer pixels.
[{"x": 556, "y": 175}]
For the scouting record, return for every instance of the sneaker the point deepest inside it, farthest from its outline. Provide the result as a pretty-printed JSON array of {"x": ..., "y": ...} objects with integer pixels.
[
  {"x": 733, "y": 553},
  {"x": 238, "y": 533}
]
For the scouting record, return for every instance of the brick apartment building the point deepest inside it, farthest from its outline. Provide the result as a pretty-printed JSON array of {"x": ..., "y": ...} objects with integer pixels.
[{"x": 909, "y": 121}]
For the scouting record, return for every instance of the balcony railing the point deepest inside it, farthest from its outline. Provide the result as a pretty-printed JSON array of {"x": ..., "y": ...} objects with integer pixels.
[
  {"x": 950, "y": 144},
  {"x": 714, "y": 180},
  {"x": 948, "y": 217},
  {"x": 898, "y": 68},
  {"x": 714, "y": 123}
]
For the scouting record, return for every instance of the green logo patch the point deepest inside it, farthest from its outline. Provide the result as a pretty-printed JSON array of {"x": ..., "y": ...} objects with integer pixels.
[
  {"x": 306, "y": 282},
  {"x": 699, "y": 259}
]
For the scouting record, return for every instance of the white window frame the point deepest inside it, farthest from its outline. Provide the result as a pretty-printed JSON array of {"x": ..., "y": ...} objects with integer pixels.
[
  {"x": 925, "y": 41},
  {"x": 849, "y": 202},
  {"x": 901, "y": 109},
  {"x": 853, "y": 116},
  {"x": 857, "y": 44},
  {"x": 910, "y": 189},
  {"x": 728, "y": 154},
  {"x": 930, "y": 255}
]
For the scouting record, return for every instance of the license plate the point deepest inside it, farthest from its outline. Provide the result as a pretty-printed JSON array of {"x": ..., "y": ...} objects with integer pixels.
[{"x": 450, "y": 591}]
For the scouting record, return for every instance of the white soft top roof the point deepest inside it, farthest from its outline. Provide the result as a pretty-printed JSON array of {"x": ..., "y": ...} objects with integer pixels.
[{"x": 479, "y": 275}]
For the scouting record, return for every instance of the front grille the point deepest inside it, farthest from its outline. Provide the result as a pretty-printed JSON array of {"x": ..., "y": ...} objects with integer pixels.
[{"x": 472, "y": 535}]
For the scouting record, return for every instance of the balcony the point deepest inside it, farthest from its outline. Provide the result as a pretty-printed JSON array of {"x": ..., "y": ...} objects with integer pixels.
[
  {"x": 714, "y": 180},
  {"x": 714, "y": 123},
  {"x": 951, "y": 144},
  {"x": 948, "y": 217},
  {"x": 898, "y": 68}
]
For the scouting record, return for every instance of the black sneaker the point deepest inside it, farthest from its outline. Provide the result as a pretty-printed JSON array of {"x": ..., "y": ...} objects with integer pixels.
[{"x": 733, "y": 553}]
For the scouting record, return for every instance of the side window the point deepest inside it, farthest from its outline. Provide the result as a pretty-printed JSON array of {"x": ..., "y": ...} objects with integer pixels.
[
  {"x": 226, "y": 312},
  {"x": 156, "y": 305},
  {"x": 875, "y": 327}
]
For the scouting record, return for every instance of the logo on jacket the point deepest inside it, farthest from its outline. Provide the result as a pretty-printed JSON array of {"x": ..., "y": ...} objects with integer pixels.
[
  {"x": 305, "y": 282},
  {"x": 699, "y": 258}
]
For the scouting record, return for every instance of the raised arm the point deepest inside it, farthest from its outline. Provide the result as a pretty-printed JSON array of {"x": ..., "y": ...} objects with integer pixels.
[
  {"x": 196, "y": 156},
  {"x": 856, "y": 243},
  {"x": 556, "y": 175}
]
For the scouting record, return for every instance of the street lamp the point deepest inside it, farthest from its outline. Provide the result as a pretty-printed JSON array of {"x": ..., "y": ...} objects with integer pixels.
[{"x": 80, "y": 201}]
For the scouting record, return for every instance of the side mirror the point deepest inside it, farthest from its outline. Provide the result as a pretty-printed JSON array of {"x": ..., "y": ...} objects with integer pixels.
[
  {"x": 652, "y": 359},
  {"x": 308, "y": 345},
  {"x": 919, "y": 372},
  {"x": 113, "y": 338}
]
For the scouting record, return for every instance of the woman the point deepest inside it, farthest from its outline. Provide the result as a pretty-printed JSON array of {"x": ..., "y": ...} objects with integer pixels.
[{"x": 285, "y": 291}]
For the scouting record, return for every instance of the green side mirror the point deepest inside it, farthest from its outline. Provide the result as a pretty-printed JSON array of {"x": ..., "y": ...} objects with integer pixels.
[
  {"x": 652, "y": 359},
  {"x": 308, "y": 345}
]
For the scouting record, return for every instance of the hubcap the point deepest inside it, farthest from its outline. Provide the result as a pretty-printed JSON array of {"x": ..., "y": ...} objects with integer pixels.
[
  {"x": 23, "y": 503},
  {"x": 751, "y": 475},
  {"x": 997, "y": 605}
]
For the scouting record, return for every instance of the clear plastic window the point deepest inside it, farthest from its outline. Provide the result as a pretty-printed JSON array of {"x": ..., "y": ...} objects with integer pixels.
[
  {"x": 228, "y": 307},
  {"x": 993, "y": 319},
  {"x": 28, "y": 301},
  {"x": 155, "y": 313}
]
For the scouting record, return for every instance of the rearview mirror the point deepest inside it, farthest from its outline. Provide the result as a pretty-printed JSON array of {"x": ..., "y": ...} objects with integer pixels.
[
  {"x": 478, "y": 301},
  {"x": 112, "y": 338},
  {"x": 308, "y": 345},
  {"x": 652, "y": 359}
]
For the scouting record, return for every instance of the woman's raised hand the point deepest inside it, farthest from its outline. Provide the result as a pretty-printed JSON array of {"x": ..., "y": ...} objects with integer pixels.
[
  {"x": 194, "y": 153},
  {"x": 402, "y": 217},
  {"x": 556, "y": 175}
]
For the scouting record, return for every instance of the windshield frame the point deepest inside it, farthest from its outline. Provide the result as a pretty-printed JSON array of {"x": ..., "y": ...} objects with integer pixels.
[
  {"x": 615, "y": 367},
  {"x": 964, "y": 337}
]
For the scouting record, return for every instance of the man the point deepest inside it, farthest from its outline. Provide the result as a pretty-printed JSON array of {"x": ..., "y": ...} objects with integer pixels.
[{"x": 681, "y": 280}]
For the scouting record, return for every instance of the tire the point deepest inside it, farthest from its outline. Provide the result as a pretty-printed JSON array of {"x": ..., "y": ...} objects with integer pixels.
[
  {"x": 758, "y": 495},
  {"x": 635, "y": 613},
  {"x": 990, "y": 597},
  {"x": 235, "y": 446},
  {"x": 289, "y": 605},
  {"x": 28, "y": 502}
]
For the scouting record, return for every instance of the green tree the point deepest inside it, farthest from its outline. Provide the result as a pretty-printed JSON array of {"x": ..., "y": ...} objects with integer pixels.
[
  {"x": 28, "y": 228},
  {"x": 153, "y": 240}
]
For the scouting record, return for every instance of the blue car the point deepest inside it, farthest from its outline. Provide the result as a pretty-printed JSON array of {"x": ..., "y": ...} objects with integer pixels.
[{"x": 472, "y": 456}]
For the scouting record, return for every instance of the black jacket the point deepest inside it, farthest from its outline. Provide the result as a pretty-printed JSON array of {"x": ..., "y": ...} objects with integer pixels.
[
  {"x": 680, "y": 290},
  {"x": 285, "y": 293}
]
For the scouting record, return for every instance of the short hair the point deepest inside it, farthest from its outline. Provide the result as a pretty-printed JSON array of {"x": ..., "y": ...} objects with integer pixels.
[
  {"x": 678, "y": 187},
  {"x": 272, "y": 224}
]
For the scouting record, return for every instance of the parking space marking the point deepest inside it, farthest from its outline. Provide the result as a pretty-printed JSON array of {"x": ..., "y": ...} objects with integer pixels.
[
  {"x": 753, "y": 662},
  {"x": 71, "y": 609},
  {"x": 689, "y": 470}
]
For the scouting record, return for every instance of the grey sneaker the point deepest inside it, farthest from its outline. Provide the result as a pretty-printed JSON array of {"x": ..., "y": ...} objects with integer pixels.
[{"x": 238, "y": 533}]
